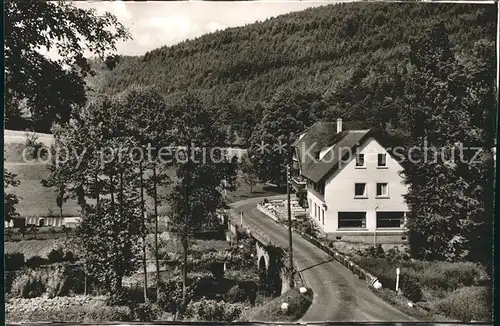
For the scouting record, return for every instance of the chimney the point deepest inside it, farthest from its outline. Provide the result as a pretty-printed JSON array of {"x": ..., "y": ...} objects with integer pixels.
[{"x": 339, "y": 125}]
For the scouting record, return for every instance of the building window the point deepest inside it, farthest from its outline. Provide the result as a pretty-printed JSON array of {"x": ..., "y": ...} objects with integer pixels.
[
  {"x": 352, "y": 220},
  {"x": 390, "y": 219},
  {"x": 382, "y": 160},
  {"x": 323, "y": 216},
  {"x": 382, "y": 190},
  {"x": 360, "y": 190},
  {"x": 360, "y": 160},
  {"x": 315, "y": 210}
]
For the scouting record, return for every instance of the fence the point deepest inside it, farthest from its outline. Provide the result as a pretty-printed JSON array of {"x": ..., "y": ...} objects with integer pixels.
[
  {"x": 341, "y": 258},
  {"x": 255, "y": 231}
]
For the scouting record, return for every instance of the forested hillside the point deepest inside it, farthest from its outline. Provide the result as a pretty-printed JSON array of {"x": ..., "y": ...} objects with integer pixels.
[{"x": 352, "y": 55}]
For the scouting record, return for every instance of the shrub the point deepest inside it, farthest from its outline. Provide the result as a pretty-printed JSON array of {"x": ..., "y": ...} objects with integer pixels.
[
  {"x": 99, "y": 313},
  {"x": 394, "y": 254},
  {"x": 118, "y": 298},
  {"x": 170, "y": 295},
  {"x": 411, "y": 289},
  {"x": 69, "y": 257},
  {"x": 14, "y": 261},
  {"x": 217, "y": 270},
  {"x": 55, "y": 256},
  {"x": 212, "y": 310},
  {"x": 59, "y": 281},
  {"x": 270, "y": 311},
  {"x": 36, "y": 261},
  {"x": 28, "y": 285},
  {"x": 467, "y": 304},
  {"x": 236, "y": 294},
  {"x": 144, "y": 312}
]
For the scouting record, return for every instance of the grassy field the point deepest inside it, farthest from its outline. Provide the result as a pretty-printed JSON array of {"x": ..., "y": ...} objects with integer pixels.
[{"x": 36, "y": 200}]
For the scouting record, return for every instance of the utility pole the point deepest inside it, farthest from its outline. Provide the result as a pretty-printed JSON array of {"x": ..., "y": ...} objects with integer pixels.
[{"x": 289, "y": 224}]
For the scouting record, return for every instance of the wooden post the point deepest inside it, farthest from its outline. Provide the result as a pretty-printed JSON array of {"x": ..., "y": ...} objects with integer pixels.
[
  {"x": 397, "y": 279},
  {"x": 289, "y": 225}
]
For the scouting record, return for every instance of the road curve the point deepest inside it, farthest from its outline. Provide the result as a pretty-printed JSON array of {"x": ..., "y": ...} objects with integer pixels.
[{"x": 338, "y": 294}]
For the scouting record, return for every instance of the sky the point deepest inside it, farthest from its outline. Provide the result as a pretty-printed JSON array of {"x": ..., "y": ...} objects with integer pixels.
[{"x": 153, "y": 24}]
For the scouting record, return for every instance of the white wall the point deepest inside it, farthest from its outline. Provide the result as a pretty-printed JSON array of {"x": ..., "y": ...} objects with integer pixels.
[
  {"x": 339, "y": 188},
  {"x": 312, "y": 200}
]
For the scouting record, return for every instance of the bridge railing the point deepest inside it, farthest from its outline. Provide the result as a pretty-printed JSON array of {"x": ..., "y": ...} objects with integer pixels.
[{"x": 246, "y": 226}]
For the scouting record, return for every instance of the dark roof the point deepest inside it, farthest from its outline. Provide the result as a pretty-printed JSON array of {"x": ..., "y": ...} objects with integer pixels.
[
  {"x": 318, "y": 136},
  {"x": 322, "y": 136}
]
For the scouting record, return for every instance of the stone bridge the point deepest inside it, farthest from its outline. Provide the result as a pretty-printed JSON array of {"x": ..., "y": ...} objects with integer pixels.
[{"x": 272, "y": 261}]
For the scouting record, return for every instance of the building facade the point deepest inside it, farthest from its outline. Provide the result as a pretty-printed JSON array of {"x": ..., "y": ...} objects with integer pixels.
[{"x": 354, "y": 188}]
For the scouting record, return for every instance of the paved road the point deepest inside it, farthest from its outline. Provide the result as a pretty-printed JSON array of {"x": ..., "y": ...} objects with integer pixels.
[{"x": 338, "y": 294}]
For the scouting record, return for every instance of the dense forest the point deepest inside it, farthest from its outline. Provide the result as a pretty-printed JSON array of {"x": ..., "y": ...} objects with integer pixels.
[{"x": 352, "y": 56}]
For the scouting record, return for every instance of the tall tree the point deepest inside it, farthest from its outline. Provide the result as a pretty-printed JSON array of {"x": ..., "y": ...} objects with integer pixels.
[
  {"x": 248, "y": 171},
  {"x": 447, "y": 185},
  {"x": 104, "y": 178},
  {"x": 201, "y": 170},
  {"x": 146, "y": 119},
  {"x": 10, "y": 200},
  {"x": 52, "y": 87},
  {"x": 288, "y": 113}
]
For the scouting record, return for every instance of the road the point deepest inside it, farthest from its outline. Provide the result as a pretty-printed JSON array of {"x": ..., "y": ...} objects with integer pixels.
[{"x": 338, "y": 294}]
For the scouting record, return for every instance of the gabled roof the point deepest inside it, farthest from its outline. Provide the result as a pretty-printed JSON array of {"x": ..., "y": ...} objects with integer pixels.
[
  {"x": 345, "y": 143},
  {"x": 317, "y": 137}
]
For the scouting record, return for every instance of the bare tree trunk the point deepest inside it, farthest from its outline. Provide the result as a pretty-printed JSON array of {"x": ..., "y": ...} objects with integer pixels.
[
  {"x": 112, "y": 190},
  {"x": 185, "y": 250},
  {"x": 119, "y": 278},
  {"x": 143, "y": 211},
  {"x": 155, "y": 199}
]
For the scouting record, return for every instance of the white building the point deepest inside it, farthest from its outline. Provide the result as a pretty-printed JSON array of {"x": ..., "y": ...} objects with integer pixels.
[{"x": 354, "y": 187}]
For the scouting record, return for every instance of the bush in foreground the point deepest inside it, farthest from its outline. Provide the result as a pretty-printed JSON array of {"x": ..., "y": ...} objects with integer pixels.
[
  {"x": 14, "y": 261},
  {"x": 58, "y": 281},
  {"x": 73, "y": 314},
  {"x": 411, "y": 288},
  {"x": 467, "y": 304},
  {"x": 298, "y": 304},
  {"x": 212, "y": 310}
]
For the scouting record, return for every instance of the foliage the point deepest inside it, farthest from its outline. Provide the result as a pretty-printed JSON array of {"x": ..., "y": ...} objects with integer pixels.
[
  {"x": 170, "y": 295},
  {"x": 467, "y": 304},
  {"x": 288, "y": 113},
  {"x": 450, "y": 105},
  {"x": 13, "y": 261},
  {"x": 111, "y": 238},
  {"x": 58, "y": 281},
  {"x": 305, "y": 225},
  {"x": 52, "y": 87},
  {"x": 90, "y": 313},
  {"x": 217, "y": 270},
  {"x": 118, "y": 298},
  {"x": 36, "y": 149},
  {"x": 36, "y": 261},
  {"x": 249, "y": 172},
  {"x": 10, "y": 200},
  {"x": 236, "y": 294},
  {"x": 55, "y": 256},
  {"x": 211, "y": 310},
  {"x": 411, "y": 288},
  {"x": 33, "y": 229},
  {"x": 352, "y": 53},
  {"x": 28, "y": 285},
  {"x": 437, "y": 276},
  {"x": 144, "y": 312},
  {"x": 99, "y": 313},
  {"x": 298, "y": 304},
  {"x": 197, "y": 194}
]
